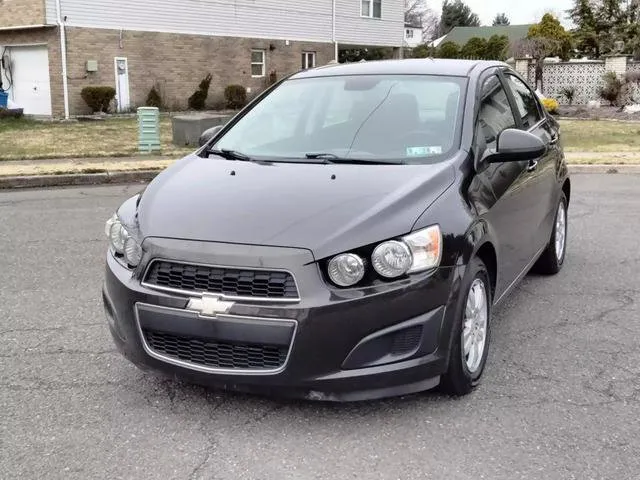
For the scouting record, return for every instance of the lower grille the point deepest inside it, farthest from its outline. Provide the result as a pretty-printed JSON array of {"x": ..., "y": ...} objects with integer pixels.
[
  {"x": 208, "y": 353},
  {"x": 406, "y": 340}
]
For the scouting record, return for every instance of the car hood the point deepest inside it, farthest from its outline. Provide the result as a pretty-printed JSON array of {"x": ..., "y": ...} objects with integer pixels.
[{"x": 326, "y": 208}]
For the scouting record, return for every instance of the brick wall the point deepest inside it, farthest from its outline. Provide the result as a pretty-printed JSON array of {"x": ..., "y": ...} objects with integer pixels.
[
  {"x": 176, "y": 62},
  {"x": 15, "y": 13},
  {"x": 42, "y": 36}
]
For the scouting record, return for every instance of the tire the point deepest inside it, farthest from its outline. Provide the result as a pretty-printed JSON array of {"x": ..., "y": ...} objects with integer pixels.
[
  {"x": 550, "y": 262},
  {"x": 463, "y": 375}
]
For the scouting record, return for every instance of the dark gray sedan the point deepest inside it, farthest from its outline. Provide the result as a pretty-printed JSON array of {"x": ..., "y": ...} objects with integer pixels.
[{"x": 346, "y": 236}]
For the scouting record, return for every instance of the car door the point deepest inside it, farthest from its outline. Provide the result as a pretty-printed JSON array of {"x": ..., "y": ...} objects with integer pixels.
[
  {"x": 504, "y": 206},
  {"x": 540, "y": 202}
]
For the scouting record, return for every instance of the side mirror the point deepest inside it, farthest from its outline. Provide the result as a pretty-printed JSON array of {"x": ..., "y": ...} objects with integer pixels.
[
  {"x": 208, "y": 135},
  {"x": 516, "y": 146}
]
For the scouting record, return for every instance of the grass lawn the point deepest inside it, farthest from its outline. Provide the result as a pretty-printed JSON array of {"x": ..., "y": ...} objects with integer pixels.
[
  {"x": 600, "y": 136},
  {"x": 24, "y": 139}
]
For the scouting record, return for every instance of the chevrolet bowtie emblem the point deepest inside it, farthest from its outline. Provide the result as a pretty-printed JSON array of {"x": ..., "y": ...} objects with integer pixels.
[{"x": 209, "y": 305}]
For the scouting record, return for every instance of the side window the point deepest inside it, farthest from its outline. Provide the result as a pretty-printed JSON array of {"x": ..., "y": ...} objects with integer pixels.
[
  {"x": 526, "y": 102},
  {"x": 495, "y": 111}
]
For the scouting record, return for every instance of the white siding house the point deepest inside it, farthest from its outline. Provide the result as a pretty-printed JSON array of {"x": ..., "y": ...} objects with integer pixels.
[
  {"x": 309, "y": 20},
  {"x": 412, "y": 35},
  {"x": 134, "y": 45}
]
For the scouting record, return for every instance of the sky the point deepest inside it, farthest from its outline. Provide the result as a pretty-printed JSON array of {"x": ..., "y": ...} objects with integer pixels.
[{"x": 518, "y": 11}]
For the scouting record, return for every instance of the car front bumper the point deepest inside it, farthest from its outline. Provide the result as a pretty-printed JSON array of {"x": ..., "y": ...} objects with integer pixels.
[{"x": 340, "y": 345}]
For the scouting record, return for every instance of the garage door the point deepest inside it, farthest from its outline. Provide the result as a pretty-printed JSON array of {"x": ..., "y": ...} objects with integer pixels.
[{"x": 26, "y": 73}]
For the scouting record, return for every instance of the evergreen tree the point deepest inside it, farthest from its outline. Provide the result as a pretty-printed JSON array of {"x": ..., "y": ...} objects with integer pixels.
[
  {"x": 587, "y": 30},
  {"x": 455, "y": 13},
  {"x": 501, "y": 19}
]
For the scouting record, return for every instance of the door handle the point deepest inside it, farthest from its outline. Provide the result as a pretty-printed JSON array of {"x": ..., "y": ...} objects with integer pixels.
[{"x": 533, "y": 165}]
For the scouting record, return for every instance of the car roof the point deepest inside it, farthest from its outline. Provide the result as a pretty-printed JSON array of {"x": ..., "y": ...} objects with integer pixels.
[{"x": 414, "y": 66}]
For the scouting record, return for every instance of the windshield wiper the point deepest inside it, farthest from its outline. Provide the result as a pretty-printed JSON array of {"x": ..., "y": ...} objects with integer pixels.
[
  {"x": 333, "y": 158},
  {"x": 230, "y": 154}
]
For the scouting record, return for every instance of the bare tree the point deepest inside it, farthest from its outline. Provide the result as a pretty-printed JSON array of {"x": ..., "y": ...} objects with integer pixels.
[
  {"x": 536, "y": 48},
  {"x": 418, "y": 13}
]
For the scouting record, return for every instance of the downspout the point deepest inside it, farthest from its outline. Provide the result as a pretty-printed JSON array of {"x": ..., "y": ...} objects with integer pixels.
[
  {"x": 63, "y": 54},
  {"x": 333, "y": 33}
]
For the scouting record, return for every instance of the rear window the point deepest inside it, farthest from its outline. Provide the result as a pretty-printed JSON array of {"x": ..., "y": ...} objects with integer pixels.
[{"x": 412, "y": 118}]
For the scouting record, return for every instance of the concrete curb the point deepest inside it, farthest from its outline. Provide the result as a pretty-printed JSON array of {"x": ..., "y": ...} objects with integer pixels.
[
  {"x": 144, "y": 176},
  {"x": 624, "y": 169},
  {"x": 66, "y": 180}
]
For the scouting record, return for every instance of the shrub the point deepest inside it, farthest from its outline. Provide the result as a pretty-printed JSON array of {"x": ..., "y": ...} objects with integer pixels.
[
  {"x": 13, "y": 114},
  {"x": 449, "y": 50},
  {"x": 98, "y": 99},
  {"x": 551, "y": 105},
  {"x": 198, "y": 99},
  {"x": 236, "y": 96},
  {"x": 273, "y": 78},
  {"x": 612, "y": 88},
  {"x": 475, "y": 48},
  {"x": 569, "y": 93},
  {"x": 497, "y": 47},
  {"x": 154, "y": 99}
]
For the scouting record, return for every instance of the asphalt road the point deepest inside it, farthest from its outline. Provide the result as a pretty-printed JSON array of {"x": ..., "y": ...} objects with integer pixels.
[{"x": 560, "y": 398}]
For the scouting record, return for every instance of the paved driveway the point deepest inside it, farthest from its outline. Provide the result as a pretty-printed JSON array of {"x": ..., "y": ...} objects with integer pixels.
[{"x": 561, "y": 396}]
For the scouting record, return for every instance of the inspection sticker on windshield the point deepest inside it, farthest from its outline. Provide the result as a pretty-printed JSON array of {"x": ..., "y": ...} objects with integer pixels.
[{"x": 422, "y": 151}]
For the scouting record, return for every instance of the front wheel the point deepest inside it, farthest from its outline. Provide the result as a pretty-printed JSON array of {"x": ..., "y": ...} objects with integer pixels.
[
  {"x": 552, "y": 259},
  {"x": 471, "y": 332}
]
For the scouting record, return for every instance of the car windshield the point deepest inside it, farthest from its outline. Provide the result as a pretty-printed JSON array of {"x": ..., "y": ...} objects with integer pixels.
[{"x": 400, "y": 118}]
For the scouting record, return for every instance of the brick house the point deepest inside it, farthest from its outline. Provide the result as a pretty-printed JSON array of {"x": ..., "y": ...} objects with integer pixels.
[{"x": 51, "y": 49}]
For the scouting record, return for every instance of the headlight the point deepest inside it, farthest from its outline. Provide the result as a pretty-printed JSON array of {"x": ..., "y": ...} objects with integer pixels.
[
  {"x": 392, "y": 259},
  {"x": 122, "y": 242},
  {"x": 426, "y": 248},
  {"x": 132, "y": 252},
  {"x": 118, "y": 235},
  {"x": 413, "y": 253},
  {"x": 346, "y": 270}
]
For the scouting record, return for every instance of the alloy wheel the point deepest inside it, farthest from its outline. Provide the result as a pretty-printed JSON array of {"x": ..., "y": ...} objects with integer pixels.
[
  {"x": 474, "y": 333},
  {"x": 561, "y": 231}
]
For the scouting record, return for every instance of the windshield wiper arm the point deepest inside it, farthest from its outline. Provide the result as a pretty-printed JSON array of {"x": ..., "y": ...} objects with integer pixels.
[
  {"x": 326, "y": 156},
  {"x": 333, "y": 158},
  {"x": 230, "y": 154}
]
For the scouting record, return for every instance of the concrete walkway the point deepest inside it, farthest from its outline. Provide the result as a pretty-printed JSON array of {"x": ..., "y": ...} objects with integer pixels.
[
  {"x": 83, "y": 165},
  {"x": 76, "y": 166}
]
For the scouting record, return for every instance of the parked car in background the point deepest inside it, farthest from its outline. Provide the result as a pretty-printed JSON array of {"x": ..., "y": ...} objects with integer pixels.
[{"x": 352, "y": 248}]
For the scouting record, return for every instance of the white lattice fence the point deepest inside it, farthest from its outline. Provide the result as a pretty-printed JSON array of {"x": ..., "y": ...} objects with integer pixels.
[
  {"x": 532, "y": 75},
  {"x": 585, "y": 77},
  {"x": 635, "y": 67}
]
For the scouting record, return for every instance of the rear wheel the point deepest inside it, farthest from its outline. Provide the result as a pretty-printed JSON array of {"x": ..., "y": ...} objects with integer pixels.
[
  {"x": 471, "y": 332},
  {"x": 552, "y": 259}
]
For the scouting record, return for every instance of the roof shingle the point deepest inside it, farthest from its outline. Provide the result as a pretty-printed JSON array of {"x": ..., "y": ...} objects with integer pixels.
[{"x": 462, "y": 35}]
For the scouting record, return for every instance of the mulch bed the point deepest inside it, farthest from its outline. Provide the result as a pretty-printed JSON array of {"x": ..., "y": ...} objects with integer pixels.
[{"x": 582, "y": 112}]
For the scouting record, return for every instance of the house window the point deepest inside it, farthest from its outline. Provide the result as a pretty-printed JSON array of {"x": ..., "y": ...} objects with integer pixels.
[
  {"x": 257, "y": 63},
  {"x": 371, "y": 8},
  {"x": 409, "y": 33},
  {"x": 308, "y": 60}
]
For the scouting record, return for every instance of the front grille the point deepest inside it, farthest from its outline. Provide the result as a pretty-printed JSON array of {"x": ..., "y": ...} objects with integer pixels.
[
  {"x": 228, "y": 281},
  {"x": 213, "y": 354},
  {"x": 406, "y": 340}
]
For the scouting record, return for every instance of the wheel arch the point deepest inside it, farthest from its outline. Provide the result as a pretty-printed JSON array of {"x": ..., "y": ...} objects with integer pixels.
[
  {"x": 566, "y": 189},
  {"x": 480, "y": 242},
  {"x": 487, "y": 253}
]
